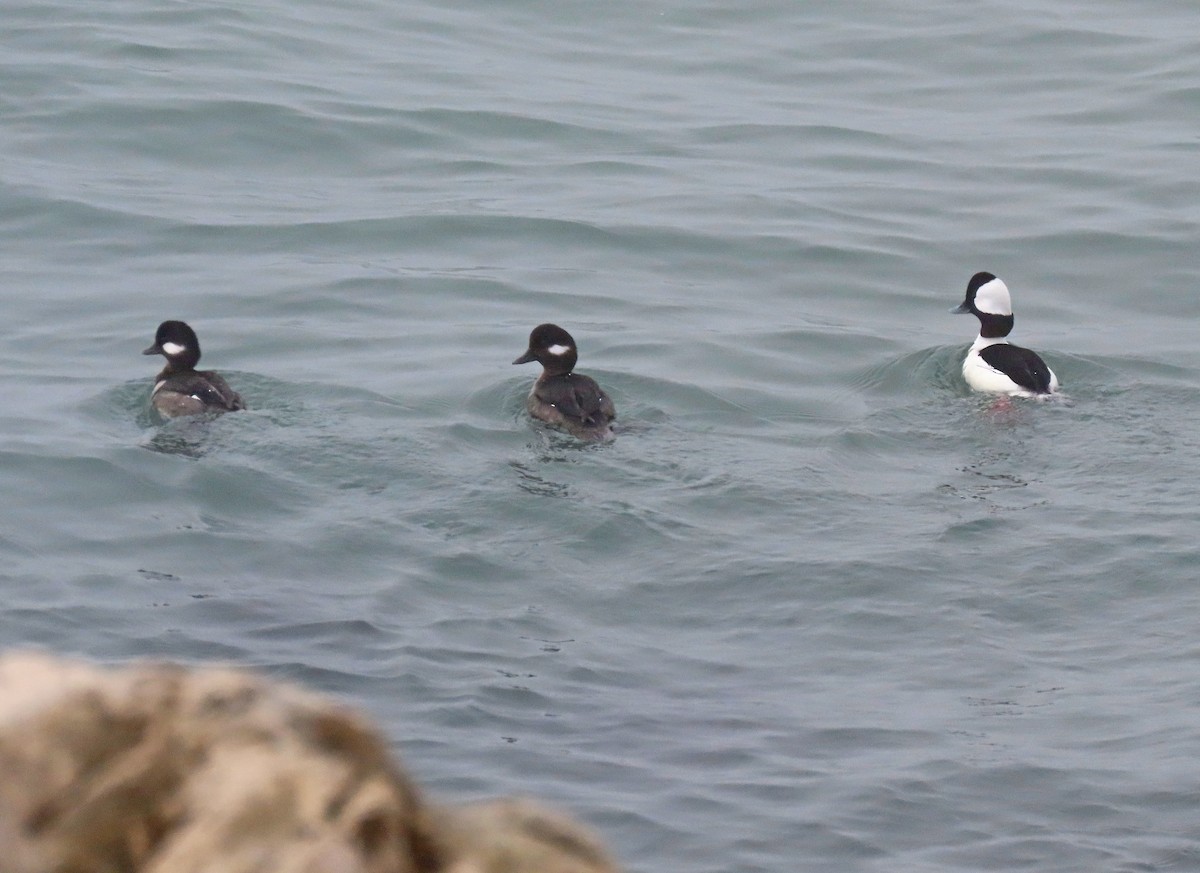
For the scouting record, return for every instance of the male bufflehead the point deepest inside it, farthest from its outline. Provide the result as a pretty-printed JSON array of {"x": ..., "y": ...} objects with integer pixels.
[
  {"x": 994, "y": 364},
  {"x": 180, "y": 389},
  {"x": 561, "y": 397}
]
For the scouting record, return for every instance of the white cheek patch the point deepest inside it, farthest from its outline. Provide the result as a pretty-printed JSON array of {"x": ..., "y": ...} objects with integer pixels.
[
  {"x": 993, "y": 298},
  {"x": 173, "y": 348},
  {"x": 558, "y": 350}
]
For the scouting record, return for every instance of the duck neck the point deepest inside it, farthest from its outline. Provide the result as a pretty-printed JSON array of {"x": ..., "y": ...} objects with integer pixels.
[
  {"x": 995, "y": 326},
  {"x": 176, "y": 366}
]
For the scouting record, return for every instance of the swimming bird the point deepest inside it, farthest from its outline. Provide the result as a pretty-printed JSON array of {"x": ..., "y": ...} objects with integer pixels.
[
  {"x": 560, "y": 396},
  {"x": 180, "y": 388},
  {"x": 993, "y": 364}
]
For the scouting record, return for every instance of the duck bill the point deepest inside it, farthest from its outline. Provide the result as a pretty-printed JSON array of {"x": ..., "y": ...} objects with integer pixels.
[
  {"x": 153, "y": 350},
  {"x": 526, "y": 358},
  {"x": 961, "y": 309}
]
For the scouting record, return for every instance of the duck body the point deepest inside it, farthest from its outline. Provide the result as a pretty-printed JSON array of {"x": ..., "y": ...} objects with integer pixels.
[
  {"x": 999, "y": 367},
  {"x": 180, "y": 388},
  {"x": 560, "y": 396},
  {"x": 993, "y": 364}
]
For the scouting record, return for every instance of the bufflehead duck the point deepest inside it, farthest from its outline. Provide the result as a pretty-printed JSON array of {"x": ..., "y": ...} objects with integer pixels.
[
  {"x": 561, "y": 397},
  {"x": 994, "y": 364},
  {"x": 181, "y": 389}
]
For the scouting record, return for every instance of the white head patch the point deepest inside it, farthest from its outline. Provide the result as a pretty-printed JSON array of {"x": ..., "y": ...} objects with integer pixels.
[
  {"x": 992, "y": 298},
  {"x": 558, "y": 350},
  {"x": 173, "y": 348}
]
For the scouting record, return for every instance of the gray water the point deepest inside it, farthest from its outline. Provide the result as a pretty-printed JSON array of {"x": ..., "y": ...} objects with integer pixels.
[{"x": 817, "y": 607}]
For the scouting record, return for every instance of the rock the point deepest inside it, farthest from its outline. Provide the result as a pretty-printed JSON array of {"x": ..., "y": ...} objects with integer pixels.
[{"x": 167, "y": 769}]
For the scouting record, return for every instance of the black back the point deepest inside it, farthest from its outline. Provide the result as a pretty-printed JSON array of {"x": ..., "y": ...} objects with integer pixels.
[
  {"x": 577, "y": 397},
  {"x": 207, "y": 387},
  {"x": 1023, "y": 366}
]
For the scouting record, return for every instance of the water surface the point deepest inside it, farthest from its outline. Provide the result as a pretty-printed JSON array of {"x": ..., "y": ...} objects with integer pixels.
[{"x": 817, "y": 607}]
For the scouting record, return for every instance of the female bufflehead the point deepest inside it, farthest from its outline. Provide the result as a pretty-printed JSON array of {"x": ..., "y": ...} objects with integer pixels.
[
  {"x": 561, "y": 397},
  {"x": 180, "y": 389},
  {"x": 994, "y": 364}
]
